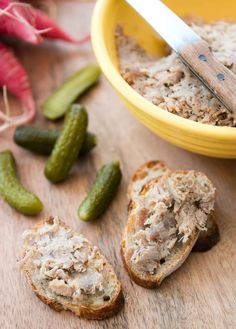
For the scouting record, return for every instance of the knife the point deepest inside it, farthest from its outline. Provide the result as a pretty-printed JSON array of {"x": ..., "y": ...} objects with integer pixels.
[{"x": 192, "y": 50}]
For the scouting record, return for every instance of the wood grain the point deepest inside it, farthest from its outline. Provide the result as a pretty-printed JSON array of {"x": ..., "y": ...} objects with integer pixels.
[
  {"x": 218, "y": 78},
  {"x": 202, "y": 294}
]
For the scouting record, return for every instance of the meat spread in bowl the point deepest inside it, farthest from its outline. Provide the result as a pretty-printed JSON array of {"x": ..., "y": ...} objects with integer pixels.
[{"x": 169, "y": 84}]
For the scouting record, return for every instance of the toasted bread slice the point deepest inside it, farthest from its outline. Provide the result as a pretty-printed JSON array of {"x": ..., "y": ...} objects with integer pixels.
[
  {"x": 148, "y": 171},
  {"x": 164, "y": 222},
  {"x": 68, "y": 273},
  {"x": 208, "y": 238}
]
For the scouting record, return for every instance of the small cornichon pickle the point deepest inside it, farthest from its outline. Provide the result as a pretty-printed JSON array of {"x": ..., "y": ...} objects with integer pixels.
[
  {"x": 68, "y": 144},
  {"x": 36, "y": 140},
  {"x": 90, "y": 141},
  {"x": 12, "y": 191},
  {"x": 60, "y": 101},
  {"x": 102, "y": 192},
  {"x": 42, "y": 141}
]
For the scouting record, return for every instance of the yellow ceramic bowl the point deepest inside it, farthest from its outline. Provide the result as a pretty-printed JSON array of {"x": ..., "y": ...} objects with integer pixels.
[{"x": 193, "y": 136}]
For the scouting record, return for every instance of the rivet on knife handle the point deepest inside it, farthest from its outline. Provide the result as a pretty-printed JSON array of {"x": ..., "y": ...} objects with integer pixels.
[{"x": 220, "y": 80}]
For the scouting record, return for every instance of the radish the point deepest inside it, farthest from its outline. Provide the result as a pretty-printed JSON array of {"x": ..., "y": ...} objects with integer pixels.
[
  {"x": 14, "y": 78},
  {"x": 15, "y": 21},
  {"x": 23, "y": 21}
]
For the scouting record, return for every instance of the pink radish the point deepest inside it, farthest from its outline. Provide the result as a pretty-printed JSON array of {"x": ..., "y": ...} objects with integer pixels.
[
  {"x": 14, "y": 77},
  {"x": 15, "y": 21},
  {"x": 23, "y": 21}
]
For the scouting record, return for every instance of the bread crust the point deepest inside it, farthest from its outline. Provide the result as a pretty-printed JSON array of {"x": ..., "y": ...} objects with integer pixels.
[{"x": 99, "y": 313}]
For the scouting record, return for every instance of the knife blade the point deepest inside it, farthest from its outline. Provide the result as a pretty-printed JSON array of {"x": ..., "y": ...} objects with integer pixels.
[{"x": 192, "y": 50}]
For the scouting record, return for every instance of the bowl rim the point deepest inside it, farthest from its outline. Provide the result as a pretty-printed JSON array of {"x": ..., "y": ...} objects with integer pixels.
[{"x": 128, "y": 93}]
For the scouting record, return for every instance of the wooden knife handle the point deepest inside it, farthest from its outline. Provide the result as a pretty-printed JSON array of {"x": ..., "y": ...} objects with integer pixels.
[{"x": 214, "y": 75}]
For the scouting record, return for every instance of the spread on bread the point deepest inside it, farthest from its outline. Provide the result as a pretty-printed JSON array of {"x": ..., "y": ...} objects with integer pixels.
[{"x": 64, "y": 266}]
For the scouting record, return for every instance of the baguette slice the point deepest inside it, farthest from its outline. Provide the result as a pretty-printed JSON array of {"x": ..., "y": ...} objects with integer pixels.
[
  {"x": 152, "y": 169},
  {"x": 148, "y": 171},
  {"x": 209, "y": 238},
  {"x": 164, "y": 222},
  {"x": 68, "y": 273}
]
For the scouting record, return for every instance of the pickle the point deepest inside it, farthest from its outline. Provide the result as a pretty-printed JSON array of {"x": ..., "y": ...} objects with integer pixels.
[
  {"x": 35, "y": 139},
  {"x": 60, "y": 101},
  {"x": 68, "y": 144},
  {"x": 11, "y": 189},
  {"x": 90, "y": 141},
  {"x": 102, "y": 192},
  {"x": 42, "y": 141}
]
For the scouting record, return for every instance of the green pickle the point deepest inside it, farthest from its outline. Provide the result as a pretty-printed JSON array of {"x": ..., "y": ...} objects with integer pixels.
[
  {"x": 42, "y": 141},
  {"x": 60, "y": 101},
  {"x": 36, "y": 140},
  {"x": 68, "y": 144},
  {"x": 12, "y": 191},
  {"x": 102, "y": 192},
  {"x": 90, "y": 141}
]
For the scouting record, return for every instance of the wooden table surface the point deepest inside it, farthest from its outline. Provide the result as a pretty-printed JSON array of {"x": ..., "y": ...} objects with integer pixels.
[{"x": 202, "y": 294}]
